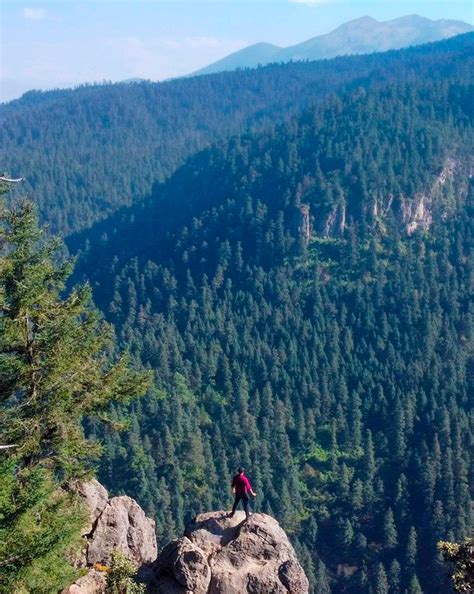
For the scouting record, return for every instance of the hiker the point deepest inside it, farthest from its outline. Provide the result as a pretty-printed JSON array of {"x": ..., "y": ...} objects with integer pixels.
[{"x": 240, "y": 487}]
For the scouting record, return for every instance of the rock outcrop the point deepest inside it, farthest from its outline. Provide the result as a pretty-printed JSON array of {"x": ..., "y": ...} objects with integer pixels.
[
  {"x": 122, "y": 525},
  {"x": 221, "y": 555},
  {"x": 118, "y": 523},
  {"x": 216, "y": 555}
]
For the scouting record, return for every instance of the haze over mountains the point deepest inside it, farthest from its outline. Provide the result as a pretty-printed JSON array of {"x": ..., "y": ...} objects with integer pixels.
[
  {"x": 360, "y": 36},
  {"x": 86, "y": 153}
]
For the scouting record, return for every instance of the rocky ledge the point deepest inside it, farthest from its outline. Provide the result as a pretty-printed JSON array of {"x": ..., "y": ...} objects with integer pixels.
[
  {"x": 221, "y": 555},
  {"x": 118, "y": 523},
  {"x": 216, "y": 555}
]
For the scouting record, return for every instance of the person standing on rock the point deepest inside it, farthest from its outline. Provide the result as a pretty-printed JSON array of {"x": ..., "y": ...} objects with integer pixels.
[{"x": 240, "y": 488}]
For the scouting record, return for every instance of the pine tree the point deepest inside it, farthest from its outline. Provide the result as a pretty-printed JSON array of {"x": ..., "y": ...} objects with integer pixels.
[
  {"x": 55, "y": 369},
  {"x": 390, "y": 539},
  {"x": 394, "y": 574},
  {"x": 411, "y": 553},
  {"x": 380, "y": 580},
  {"x": 414, "y": 586}
]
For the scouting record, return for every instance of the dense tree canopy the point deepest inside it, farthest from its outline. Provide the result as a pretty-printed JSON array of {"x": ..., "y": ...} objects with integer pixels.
[
  {"x": 300, "y": 293},
  {"x": 333, "y": 366},
  {"x": 87, "y": 152}
]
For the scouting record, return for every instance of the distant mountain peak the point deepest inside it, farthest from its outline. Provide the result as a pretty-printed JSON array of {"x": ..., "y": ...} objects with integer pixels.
[
  {"x": 363, "y": 19},
  {"x": 359, "y": 36}
]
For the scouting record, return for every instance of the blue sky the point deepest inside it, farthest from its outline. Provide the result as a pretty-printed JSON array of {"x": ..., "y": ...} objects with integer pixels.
[{"x": 62, "y": 43}]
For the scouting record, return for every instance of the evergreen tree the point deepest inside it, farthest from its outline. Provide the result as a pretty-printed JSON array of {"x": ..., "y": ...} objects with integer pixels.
[{"x": 55, "y": 369}]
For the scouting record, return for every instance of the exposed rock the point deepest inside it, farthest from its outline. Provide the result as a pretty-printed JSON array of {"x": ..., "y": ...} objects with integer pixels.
[
  {"x": 123, "y": 526},
  {"x": 302, "y": 223},
  {"x": 416, "y": 213},
  {"x": 95, "y": 497},
  {"x": 222, "y": 555},
  {"x": 334, "y": 223},
  {"x": 118, "y": 523},
  {"x": 91, "y": 583},
  {"x": 186, "y": 563}
]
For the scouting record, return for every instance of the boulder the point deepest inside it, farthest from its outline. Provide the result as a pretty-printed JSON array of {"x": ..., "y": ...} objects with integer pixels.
[
  {"x": 222, "y": 555},
  {"x": 186, "y": 564},
  {"x": 123, "y": 525}
]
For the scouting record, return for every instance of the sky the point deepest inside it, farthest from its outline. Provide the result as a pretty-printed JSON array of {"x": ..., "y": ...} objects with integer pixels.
[{"x": 63, "y": 43}]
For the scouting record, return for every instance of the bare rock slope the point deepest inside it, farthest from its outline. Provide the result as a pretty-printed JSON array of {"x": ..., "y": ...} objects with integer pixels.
[
  {"x": 221, "y": 555},
  {"x": 117, "y": 523}
]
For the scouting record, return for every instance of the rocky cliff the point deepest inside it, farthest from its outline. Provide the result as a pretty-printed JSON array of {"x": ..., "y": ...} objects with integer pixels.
[
  {"x": 117, "y": 523},
  {"x": 221, "y": 555},
  {"x": 216, "y": 554}
]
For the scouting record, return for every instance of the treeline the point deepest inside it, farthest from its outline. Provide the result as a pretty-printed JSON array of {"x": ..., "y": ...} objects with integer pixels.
[
  {"x": 334, "y": 368},
  {"x": 87, "y": 152}
]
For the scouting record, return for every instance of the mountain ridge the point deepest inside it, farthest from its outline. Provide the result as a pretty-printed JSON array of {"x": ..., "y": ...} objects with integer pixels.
[
  {"x": 86, "y": 153},
  {"x": 358, "y": 36}
]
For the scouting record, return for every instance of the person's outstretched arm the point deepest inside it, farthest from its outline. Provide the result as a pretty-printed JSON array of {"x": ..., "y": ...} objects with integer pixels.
[{"x": 249, "y": 488}]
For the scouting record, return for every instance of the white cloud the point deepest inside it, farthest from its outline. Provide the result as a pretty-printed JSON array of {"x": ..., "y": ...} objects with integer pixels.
[
  {"x": 159, "y": 58},
  {"x": 34, "y": 14}
]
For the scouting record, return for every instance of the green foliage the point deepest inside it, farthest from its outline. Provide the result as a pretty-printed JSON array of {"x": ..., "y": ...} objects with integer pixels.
[
  {"x": 54, "y": 354},
  {"x": 343, "y": 387},
  {"x": 56, "y": 368},
  {"x": 333, "y": 368},
  {"x": 88, "y": 152},
  {"x": 39, "y": 527},
  {"x": 335, "y": 384},
  {"x": 120, "y": 577}
]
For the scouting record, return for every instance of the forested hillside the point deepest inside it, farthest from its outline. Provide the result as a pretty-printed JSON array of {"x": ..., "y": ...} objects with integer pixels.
[
  {"x": 87, "y": 152},
  {"x": 304, "y": 316},
  {"x": 288, "y": 251}
]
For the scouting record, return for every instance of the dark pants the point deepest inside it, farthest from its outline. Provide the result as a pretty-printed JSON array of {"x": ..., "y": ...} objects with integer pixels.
[{"x": 245, "y": 501}]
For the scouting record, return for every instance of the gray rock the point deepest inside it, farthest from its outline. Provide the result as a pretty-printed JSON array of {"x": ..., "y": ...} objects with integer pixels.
[
  {"x": 91, "y": 583},
  {"x": 186, "y": 564},
  {"x": 123, "y": 525},
  {"x": 95, "y": 496},
  {"x": 221, "y": 555}
]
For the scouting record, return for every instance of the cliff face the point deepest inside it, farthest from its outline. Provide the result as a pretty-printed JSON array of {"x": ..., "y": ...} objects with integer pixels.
[
  {"x": 117, "y": 523},
  {"x": 216, "y": 555},
  {"x": 412, "y": 212},
  {"x": 221, "y": 555}
]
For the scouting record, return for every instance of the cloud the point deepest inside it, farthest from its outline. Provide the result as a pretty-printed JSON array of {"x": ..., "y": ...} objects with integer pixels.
[
  {"x": 159, "y": 58},
  {"x": 34, "y": 14}
]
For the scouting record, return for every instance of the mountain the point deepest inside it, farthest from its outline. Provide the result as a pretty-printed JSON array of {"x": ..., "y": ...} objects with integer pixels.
[
  {"x": 297, "y": 282},
  {"x": 360, "y": 36},
  {"x": 248, "y": 57},
  {"x": 87, "y": 153},
  {"x": 301, "y": 294}
]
